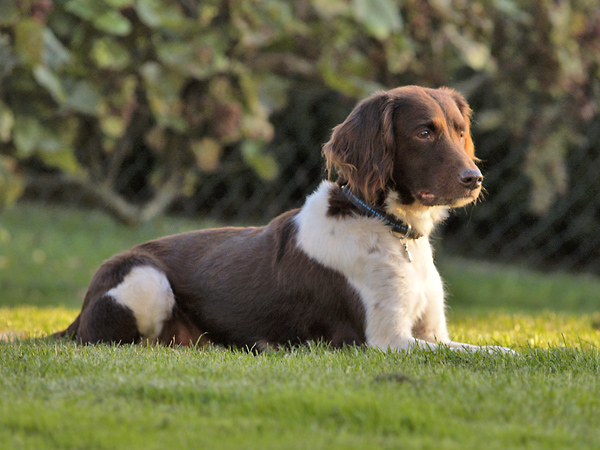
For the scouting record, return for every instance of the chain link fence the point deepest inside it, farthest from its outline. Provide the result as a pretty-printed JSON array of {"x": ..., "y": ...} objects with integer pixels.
[{"x": 502, "y": 227}]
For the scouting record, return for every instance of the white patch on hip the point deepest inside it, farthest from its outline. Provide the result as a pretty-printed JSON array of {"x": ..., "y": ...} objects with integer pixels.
[{"x": 147, "y": 293}]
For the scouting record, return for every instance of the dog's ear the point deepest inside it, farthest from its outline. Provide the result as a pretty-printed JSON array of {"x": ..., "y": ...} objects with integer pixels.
[
  {"x": 466, "y": 111},
  {"x": 362, "y": 148}
]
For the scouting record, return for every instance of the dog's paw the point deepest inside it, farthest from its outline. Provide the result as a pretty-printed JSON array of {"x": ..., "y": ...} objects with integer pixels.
[
  {"x": 481, "y": 348},
  {"x": 499, "y": 349}
]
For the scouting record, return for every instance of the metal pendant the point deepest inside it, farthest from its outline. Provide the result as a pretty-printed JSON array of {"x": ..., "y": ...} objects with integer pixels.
[
  {"x": 406, "y": 251},
  {"x": 404, "y": 243}
]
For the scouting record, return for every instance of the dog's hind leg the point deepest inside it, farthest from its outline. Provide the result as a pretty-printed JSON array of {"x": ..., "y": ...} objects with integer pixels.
[
  {"x": 134, "y": 310},
  {"x": 106, "y": 320},
  {"x": 180, "y": 330}
]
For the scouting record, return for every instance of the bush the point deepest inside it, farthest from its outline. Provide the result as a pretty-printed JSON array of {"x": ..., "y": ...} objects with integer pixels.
[{"x": 137, "y": 103}]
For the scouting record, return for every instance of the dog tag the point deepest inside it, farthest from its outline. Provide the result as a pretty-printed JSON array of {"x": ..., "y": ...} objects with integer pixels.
[{"x": 408, "y": 255}]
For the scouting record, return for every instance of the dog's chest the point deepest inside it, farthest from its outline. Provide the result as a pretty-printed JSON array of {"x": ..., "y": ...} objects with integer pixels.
[
  {"x": 391, "y": 281},
  {"x": 373, "y": 261}
]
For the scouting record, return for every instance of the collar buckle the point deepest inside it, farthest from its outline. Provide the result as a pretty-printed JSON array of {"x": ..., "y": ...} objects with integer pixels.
[{"x": 406, "y": 236}]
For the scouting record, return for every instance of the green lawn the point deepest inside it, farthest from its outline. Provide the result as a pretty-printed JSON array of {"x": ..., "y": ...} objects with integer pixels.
[{"x": 65, "y": 396}]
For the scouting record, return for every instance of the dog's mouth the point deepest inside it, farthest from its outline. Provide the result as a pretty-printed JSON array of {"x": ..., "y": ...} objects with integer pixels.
[{"x": 428, "y": 198}]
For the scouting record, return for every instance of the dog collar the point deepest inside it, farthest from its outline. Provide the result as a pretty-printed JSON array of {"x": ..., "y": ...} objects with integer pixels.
[{"x": 399, "y": 229}]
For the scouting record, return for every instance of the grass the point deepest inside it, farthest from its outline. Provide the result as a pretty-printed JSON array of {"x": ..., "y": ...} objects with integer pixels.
[
  {"x": 59, "y": 395},
  {"x": 136, "y": 397}
]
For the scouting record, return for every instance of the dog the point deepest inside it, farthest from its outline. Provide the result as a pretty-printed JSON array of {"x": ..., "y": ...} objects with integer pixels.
[{"x": 353, "y": 266}]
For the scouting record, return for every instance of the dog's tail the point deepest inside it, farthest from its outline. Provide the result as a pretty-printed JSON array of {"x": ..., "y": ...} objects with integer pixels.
[{"x": 70, "y": 332}]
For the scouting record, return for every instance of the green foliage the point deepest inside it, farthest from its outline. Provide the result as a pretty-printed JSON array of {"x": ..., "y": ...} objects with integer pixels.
[{"x": 86, "y": 85}]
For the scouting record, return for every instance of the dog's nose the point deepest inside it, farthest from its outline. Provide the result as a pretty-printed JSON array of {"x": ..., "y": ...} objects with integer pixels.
[{"x": 471, "y": 178}]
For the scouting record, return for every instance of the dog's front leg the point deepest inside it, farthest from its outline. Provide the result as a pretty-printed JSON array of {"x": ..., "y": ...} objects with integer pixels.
[
  {"x": 432, "y": 330},
  {"x": 390, "y": 329},
  {"x": 411, "y": 343},
  {"x": 479, "y": 348}
]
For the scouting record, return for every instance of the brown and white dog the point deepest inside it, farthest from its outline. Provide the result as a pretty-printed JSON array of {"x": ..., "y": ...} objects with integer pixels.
[{"x": 353, "y": 266}]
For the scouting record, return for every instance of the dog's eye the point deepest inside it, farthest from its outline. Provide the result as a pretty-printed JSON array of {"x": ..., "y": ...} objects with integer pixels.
[{"x": 425, "y": 134}]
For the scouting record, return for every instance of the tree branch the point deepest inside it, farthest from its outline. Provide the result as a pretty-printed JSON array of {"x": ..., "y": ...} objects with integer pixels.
[{"x": 106, "y": 198}]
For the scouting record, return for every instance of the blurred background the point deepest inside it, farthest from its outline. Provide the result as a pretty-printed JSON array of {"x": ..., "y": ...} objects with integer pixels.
[{"x": 217, "y": 109}]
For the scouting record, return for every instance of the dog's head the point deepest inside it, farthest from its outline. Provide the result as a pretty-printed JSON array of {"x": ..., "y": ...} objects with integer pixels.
[{"x": 414, "y": 141}]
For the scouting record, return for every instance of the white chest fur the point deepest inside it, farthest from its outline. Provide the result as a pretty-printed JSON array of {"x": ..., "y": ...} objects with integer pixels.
[{"x": 398, "y": 296}]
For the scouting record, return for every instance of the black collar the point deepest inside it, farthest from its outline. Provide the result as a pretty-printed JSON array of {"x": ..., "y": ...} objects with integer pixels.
[{"x": 404, "y": 231}]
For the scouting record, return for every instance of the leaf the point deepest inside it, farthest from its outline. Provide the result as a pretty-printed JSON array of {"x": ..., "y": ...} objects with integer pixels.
[
  {"x": 163, "y": 91},
  {"x": 113, "y": 22},
  {"x": 181, "y": 56},
  {"x": 84, "y": 98},
  {"x": 28, "y": 133},
  {"x": 120, "y": 4},
  {"x": 9, "y": 13},
  {"x": 190, "y": 183},
  {"x": 61, "y": 158},
  {"x": 149, "y": 12},
  {"x": 264, "y": 165},
  {"x": 273, "y": 92},
  {"x": 513, "y": 12},
  {"x": 113, "y": 126},
  {"x": 330, "y": 9},
  {"x": 257, "y": 128},
  {"x": 158, "y": 13},
  {"x": 55, "y": 53},
  {"x": 380, "y": 17},
  {"x": 207, "y": 152},
  {"x": 109, "y": 54},
  {"x": 346, "y": 83},
  {"x": 156, "y": 138},
  {"x": 86, "y": 9},
  {"x": 490, "y": 119},
  {"x": 201, "y": 58},
  {"x": 53, "y": 145},
  {"x": 48, "y": 79},
  {"x": 7, "y": 122},
  {"x": 11, "y": 185},
  {"x": 475, "y": 54},
  {"x": 29, "y": 41},
  {"x": 8, "y": 60}
]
